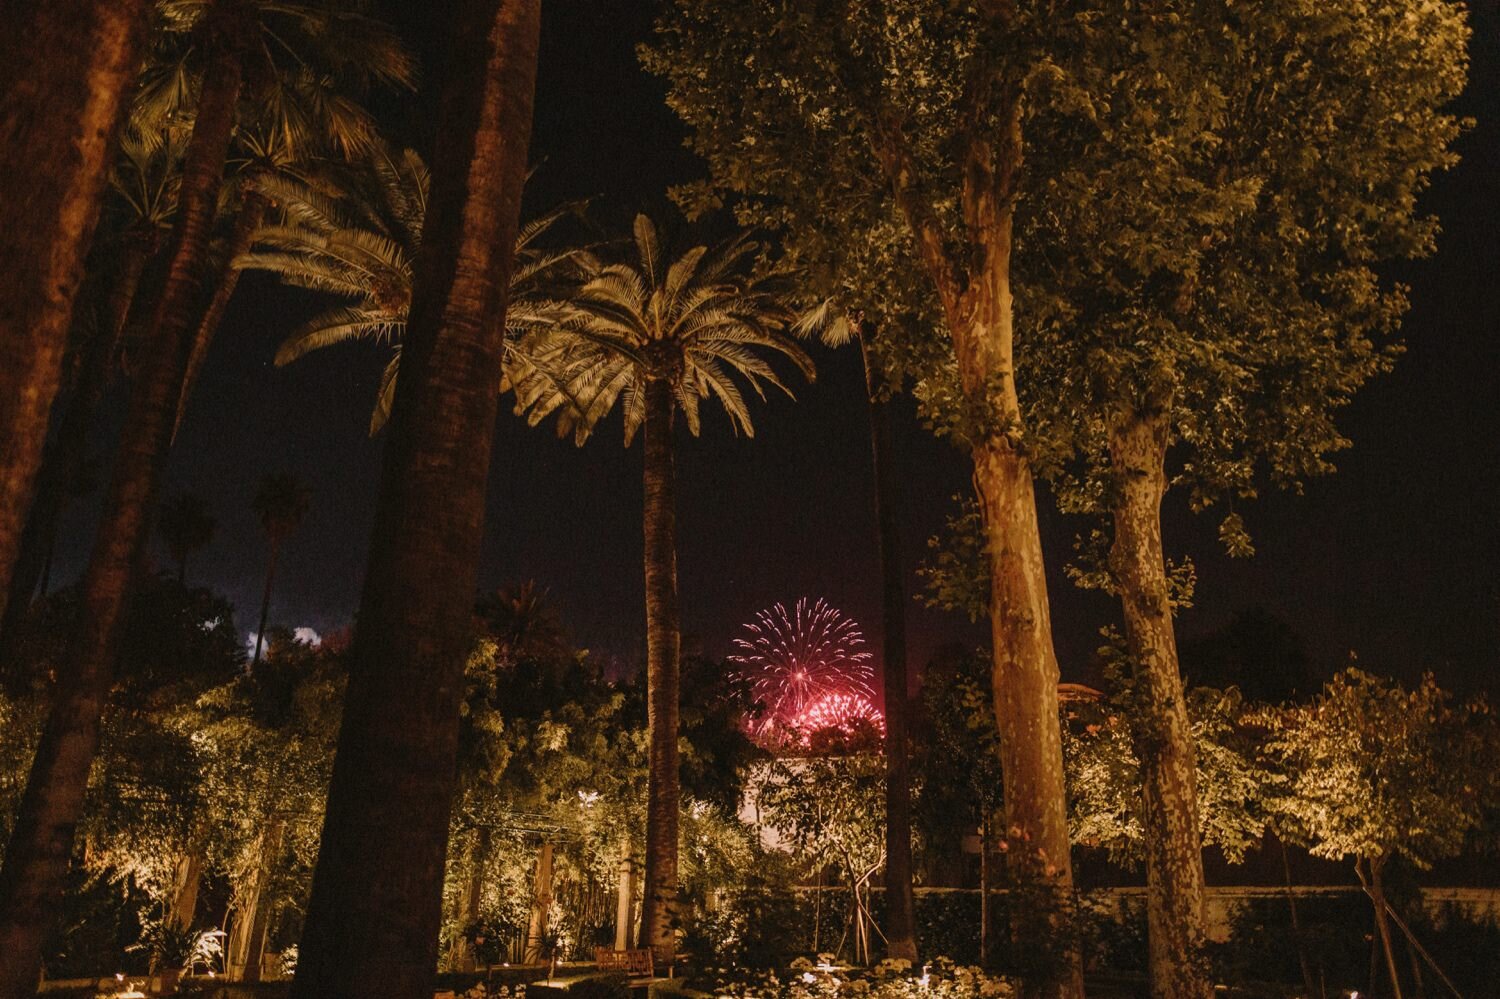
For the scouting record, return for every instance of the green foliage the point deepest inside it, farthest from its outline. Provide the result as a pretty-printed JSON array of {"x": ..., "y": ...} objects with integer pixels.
[
  {"x": 941, "y": 979},
  {"x": 1370, "y": 770},
  {"x": 1104, "y": 779}
]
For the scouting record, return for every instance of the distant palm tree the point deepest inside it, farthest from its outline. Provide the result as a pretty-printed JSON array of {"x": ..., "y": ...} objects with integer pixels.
[
  {"x": 281, "y": 503},
  {"x": 186, "y": 525},
  {"x": 659, "y": 337},
  {"x": 355, "y": 233}
]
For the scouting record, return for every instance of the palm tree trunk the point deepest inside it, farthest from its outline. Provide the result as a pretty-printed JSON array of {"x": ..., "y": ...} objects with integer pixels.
[
  {"x": 36, "y": 861},
  {"x": 376, "y": 907},
  {"x": 625, "y": 900},
  {"x": 188, "y": 877},
  {"x": 900, "y": 913},
  {"x": 66, "y": 451},
  {"x": 1163, "y": 737},
  {"x": 247, "y": 223},
  {"x": 66, "y": 71},
  {"x": 265, "y": 602},
  {"x": 663, "y": 648}
]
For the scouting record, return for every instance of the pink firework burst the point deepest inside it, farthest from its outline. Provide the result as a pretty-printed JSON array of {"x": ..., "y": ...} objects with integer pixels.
[
  {"x": 795, "y": 659},
  {"x": 845, "y": 712}
]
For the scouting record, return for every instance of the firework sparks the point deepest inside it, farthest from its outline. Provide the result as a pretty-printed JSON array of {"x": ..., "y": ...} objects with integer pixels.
[
  {"x": 795, "y": 660},
  {"x": 845, "y": 712}
]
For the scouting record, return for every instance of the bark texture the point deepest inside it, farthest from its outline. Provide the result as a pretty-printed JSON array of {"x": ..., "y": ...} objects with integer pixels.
[
  {"x": 67, "y": 68},
  {"x": 41, "y": 845},
  {"x": 663, "y": 654},
  {"x": 541, "y": 905},
  {"x": 66, "y": 451},
  {"x": 1161, "y": 732},
  {"x": 900, "y": 928},
  {"x": 249, "y": 942},
  {"x": 974, "y": 288},
  {"x": 373, "y": 919}
]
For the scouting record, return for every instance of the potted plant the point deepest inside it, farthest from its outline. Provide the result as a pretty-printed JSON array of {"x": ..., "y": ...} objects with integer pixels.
[{"x": 170, "y": 947}]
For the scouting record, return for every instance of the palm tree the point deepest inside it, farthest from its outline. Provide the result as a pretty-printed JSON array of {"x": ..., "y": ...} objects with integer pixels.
[
  {"x": 281, "y": 503},
  {"x": 187, "y": 526},
  {"x": 139, "y": 211},
  {"x": 374, "y": 914},
  {"x": 355, "y": 233},
  {"x": 236, "y": 41},
  {"x": 66, "y": 68},
  {"x": 660, "y": 337}
]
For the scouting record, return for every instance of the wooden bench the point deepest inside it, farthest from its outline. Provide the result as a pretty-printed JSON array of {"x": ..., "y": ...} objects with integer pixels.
[{"x": 632, "y": 963}]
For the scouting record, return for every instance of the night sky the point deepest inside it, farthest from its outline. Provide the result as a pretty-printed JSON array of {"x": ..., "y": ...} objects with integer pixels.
[{"x": 1396, "y": 557}]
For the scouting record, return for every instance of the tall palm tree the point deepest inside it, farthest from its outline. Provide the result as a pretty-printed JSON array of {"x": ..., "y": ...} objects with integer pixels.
[
  {"x": 660, "y": 337},
  {"x": 376, "y": 906},
  {"x": 136, "y": 216},
  {"x": 281, "y": 503},
  {"x": 66, "y": 68},
  {"x": 237, "y": 41},
  {"x": 187, "y": 526},
  {"x": 355, "y": 233}
]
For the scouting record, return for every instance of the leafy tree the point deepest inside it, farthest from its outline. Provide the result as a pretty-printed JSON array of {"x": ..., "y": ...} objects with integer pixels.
[
  {"x": 659, "y": 337},
  {"x": 396, "y": 769},
  {"x": 1201, "y": 294},
  {"x": 829, "y": 809},
  {"x": 1104, "y": 777},
  {"x": 281, "y": 503},
  {"x": 900, "y": 126},
  {"x": 187, "y": 526},
  {"x": 1371, "y": 771}
]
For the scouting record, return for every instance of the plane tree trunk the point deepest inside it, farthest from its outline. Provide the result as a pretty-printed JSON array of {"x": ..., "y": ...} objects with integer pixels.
[
  {"x": 376, "y": 906},
  {"x": 1161, "y": 731}
]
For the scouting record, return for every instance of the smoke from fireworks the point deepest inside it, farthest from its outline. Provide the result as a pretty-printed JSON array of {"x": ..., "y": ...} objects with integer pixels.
[{"x": 808, "y": 667}]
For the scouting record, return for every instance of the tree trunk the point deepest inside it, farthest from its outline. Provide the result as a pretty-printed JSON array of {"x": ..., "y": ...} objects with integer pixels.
[
  {"x": 1297, "y": 938},
  {"x": 67, "y": 68},
  {"x": 376, "y": 906},
  {"x": 625, "y": 902},
  {"x": 265, "y": 602},
  {"x": 188, "y": 876},
  {"x": 1161, "y": 731},
  {"x": 463, "y": 958},
  {"x": 975, "y": 290},
  {"x": 247, "y": 223},
  {"x": 541, "y": 905},
  {"x": 250, "y": 937},
  {"x": 36, "y": 862},
  {"x": 900, "y": 929},
  {"x": 984, "y": 893},
  {"x": 1024, "y": 683},
  {"x": 663, "y": 646},
  {"x": 66, "y": 451},
  {"x": 1375, "y": 886}
]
